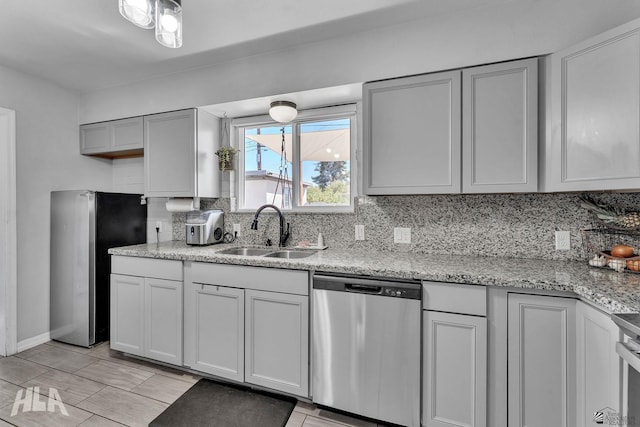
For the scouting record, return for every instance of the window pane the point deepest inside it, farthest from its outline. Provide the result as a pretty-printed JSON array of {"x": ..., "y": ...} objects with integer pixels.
[
  {"x": 325, "y": 156},
  {"x": 267, "y": 175}
]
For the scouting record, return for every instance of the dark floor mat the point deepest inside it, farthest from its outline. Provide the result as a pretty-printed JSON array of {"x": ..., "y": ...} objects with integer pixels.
[{"x": 210, "y": 403}]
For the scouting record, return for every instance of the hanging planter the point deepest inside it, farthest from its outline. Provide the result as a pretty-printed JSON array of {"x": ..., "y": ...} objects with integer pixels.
[{"x": 226, "y": 156}]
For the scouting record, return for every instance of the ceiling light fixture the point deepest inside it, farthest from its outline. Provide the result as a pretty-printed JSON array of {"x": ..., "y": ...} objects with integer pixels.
[
  {"x": 283, "y": 111},
  {"x": 139, "y": 12},
  {"x": 164, "y": 15},
  {"x": 169, "y": 23}
]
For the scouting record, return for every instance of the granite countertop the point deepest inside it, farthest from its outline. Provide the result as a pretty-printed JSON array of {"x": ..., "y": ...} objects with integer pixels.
[{"x": 614, "y": 292}]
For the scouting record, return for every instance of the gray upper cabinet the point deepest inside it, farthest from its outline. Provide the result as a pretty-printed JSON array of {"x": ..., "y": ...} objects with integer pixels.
[
  {"x": 412, "y": 135},
  {"x": 592, "y": 130},
  {"x": 179, "y": 155},
  {"x": 113, "y": 139},
  {"x": 500, "y": 127},
  {"x": 443, "y": 133}
]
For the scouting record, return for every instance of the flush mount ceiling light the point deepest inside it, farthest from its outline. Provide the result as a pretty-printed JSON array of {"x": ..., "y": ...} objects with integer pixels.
[
  {"x": 283, "y": 111},
  {"x": 164, "y": 15}
]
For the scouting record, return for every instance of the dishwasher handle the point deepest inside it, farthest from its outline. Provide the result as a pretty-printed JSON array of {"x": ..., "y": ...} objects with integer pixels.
[{"x": 363, "y": 289}]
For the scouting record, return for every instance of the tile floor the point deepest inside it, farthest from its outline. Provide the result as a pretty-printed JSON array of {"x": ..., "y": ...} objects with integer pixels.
[{"x": 101, "y": 387}]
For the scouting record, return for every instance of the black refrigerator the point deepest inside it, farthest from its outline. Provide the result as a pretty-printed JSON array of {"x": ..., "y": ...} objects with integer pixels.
[{"x": 84, "y": 225}]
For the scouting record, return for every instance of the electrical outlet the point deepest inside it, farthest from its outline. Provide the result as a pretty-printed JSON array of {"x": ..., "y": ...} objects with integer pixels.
[
  {"x": 236, "y": 229},
  {"x": 401, "y": 235},
  {"x": 159, "y": 226},
  {"x": 359, "y": 232},
  {"x": 563, "y": 240}
]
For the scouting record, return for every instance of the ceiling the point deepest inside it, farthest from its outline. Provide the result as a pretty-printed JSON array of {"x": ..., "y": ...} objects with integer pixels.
[{"x": 85, "y": 45}]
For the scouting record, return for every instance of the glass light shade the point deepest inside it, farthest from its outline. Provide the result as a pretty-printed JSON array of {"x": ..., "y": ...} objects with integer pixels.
[
  {"x": 139, "y": 12},
  {"x": 169, "y": 23},
  {"x": 283, "y": 111}
]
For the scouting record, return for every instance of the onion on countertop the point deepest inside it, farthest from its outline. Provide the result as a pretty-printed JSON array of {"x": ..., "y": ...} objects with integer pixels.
[{"x": 622, "y": 251}]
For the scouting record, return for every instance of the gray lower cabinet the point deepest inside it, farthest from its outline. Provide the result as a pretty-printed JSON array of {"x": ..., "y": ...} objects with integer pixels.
[
  {"x": 454, "y": 370},
  {"x": 454, "y": 355},
  {"x": 541, "y": 361},
  {"x": 163, "y": 320},
  {"x": 146, "y": 308},
  {"x": 214, "y": 330},
  {"x": 127, "y": 310},
  {"x": 254, "y": 329},
  {"x": 277, "y": 340},
  {"x": 599, "y": 368}
]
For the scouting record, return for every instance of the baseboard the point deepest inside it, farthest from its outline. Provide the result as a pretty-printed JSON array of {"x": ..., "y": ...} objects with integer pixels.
[{"x": 33, "y": 341}]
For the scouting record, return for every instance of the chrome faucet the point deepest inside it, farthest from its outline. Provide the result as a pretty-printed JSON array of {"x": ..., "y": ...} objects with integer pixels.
[{"x": 284, "y": 236}]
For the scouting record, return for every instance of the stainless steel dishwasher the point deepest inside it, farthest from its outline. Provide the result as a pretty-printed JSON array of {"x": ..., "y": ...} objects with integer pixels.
[{"x": 366, "y": 347}]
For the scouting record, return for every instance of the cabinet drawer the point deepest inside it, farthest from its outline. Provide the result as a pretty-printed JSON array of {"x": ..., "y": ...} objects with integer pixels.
[
  {"x": 259, "y": 278},
  {"x": 147, "y": 267},
  {"x": 454, "y": 298}
]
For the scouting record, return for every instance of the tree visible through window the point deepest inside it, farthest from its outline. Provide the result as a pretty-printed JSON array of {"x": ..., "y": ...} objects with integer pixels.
[
  {"x": 325, "y": 154},
  {"x": 303, "y": 165}
]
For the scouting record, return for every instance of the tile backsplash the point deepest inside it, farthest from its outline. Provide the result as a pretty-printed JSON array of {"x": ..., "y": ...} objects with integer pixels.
[{"x": 510, "y": 225}]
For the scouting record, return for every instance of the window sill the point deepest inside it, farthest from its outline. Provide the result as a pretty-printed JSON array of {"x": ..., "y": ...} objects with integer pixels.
[{"x": 346, "y": 210}]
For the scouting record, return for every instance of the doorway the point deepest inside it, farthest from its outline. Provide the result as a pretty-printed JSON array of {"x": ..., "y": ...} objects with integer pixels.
[{"x": 8, "y": 233}]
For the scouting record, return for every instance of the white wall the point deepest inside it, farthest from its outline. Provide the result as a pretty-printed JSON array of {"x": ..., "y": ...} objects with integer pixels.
[
  {"x": 128, "y": 177},
  {"x": 513, "y": 29},
  {"x": 48, "y": 159}
]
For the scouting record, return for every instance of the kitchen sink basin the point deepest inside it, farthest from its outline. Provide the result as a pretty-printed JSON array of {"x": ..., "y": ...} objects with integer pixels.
[
  {"x": 245, "y": 251},
  {"x": 289, "y": 254}
]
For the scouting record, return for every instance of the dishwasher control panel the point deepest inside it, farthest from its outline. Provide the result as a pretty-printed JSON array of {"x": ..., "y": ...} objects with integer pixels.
[
  {"x": 398, "y": 292},
  {"x": 382, "y": 287}
]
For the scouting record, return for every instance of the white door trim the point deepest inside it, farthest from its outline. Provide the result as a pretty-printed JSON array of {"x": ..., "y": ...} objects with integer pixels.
[{"x": 8, "y": 234}]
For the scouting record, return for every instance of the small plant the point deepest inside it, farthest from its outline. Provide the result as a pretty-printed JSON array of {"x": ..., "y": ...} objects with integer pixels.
[{"x": 225, "y": 157}]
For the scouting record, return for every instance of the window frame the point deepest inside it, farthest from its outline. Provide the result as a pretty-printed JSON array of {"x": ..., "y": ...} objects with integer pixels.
[{"x": 307, "y": 116}]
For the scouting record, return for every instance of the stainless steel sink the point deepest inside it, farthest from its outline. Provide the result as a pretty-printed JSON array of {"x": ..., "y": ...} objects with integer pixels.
[
  {"x": 289, "y": 254},
  {"x": 245, "y": 251}
]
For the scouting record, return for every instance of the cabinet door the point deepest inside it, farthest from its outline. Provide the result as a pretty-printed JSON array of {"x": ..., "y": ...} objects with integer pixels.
[
  {"x": 163, "y": 320},
  {"x": 541, "y": 361},
  {"x": 169, "y": 154},
  {"x": 277, "y": 341},
  {"x": 127, "y": 308},
  {"x": 599, "y": 368},
  {"x": 454, "y": 370},
  {"x": 95, "y": 138},
  {"x": 127, "y": 134},
  {"x": 593, "y": 142},
  {"x": 500, "y": 128},
  {"x": 217, "y": 341},
  {"x": 412, "y": 135}
]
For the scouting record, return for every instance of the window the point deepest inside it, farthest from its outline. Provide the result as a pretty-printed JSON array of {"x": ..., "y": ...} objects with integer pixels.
[{"x": 302, "y": 166}]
